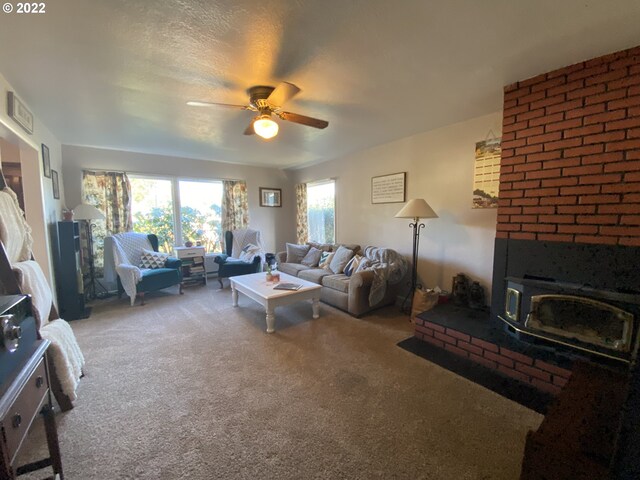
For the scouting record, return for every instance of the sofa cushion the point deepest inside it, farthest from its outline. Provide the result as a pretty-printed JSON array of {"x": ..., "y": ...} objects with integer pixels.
[
  {"x": 295, "y": 253},
  {"x": 353, "y": 265},
  {"x": 338, "y": 282},
  {"x": 292, "y": 268},
  {"x": 314, "y": 275},
  {"x": 325, "y": 259},
  {"x": 351, "y": 246},
  {"x": 325, "y": 247},
  {"x": 340, "y": 259},
  {"x": 312, "y": 257}
]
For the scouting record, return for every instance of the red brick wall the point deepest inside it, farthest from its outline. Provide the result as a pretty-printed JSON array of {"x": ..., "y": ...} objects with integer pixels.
[{"x": 570, "y": 167}]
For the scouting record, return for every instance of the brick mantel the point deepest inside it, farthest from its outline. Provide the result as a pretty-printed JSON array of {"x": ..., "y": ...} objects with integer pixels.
[{"x": 570, "y": 169}]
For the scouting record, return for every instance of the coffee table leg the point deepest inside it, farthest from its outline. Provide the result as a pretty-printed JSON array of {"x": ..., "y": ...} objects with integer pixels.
[
  {"x": 234, "y": 295},
  {"x": 315, "y": 306},
  {"x": 271, "y": 318}
]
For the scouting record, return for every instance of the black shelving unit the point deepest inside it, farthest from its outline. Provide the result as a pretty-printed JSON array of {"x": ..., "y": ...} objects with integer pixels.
[{"x": 71, "y": 303}]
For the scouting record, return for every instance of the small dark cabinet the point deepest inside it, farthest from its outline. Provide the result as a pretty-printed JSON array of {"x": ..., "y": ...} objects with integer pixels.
[{"x": 70, "y": 278}]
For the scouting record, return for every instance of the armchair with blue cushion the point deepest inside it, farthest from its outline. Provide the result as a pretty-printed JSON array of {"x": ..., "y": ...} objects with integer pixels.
[
  {"x": 136, "y": 279},
  {"x": 241, "y": 258}
]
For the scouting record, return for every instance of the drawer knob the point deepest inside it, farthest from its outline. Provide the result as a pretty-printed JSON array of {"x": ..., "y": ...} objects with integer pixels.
[
  {"x": 16, "y": 421},
  {"x": 39, "y": 382}
]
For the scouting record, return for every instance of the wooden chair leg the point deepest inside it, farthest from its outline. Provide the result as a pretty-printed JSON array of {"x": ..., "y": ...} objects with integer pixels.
[
  {"x": 221, "y": 284},
  {"x": 141, "y": 295},
  {"x": 180, "y": 288}
]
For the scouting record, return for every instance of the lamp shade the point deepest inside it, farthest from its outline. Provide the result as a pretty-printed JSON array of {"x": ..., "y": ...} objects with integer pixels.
[
  {"x": 265, "y": 127},
  {"x": 85, "y": 211},
  {"x": 416, "y": 208}
]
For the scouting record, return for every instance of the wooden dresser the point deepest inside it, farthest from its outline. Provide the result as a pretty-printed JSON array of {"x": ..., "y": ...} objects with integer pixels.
[{"x": 25, "y": 394}]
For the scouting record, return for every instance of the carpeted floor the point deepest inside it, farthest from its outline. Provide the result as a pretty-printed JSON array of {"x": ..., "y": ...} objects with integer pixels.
[{"x": 188, "y": 387}]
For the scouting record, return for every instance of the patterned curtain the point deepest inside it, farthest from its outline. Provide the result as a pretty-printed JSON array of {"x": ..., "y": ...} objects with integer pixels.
[
  {"x": 302, "y": 222},
  {"x": 109, "y": 192},
  {"x": 235, "y": 205}
]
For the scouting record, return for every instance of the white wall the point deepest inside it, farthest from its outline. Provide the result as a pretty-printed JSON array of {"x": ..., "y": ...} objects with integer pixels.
[
  {"x": 42, "y": 210},
  {"x": 275, "y": 224},
  {"x": 439, "y": 166}
]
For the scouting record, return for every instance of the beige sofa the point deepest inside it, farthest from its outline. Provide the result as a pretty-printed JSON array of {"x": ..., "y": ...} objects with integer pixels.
[{"x": 350, "y": 294}]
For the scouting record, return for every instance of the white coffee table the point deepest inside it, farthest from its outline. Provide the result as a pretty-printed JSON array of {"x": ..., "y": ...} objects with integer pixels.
[{"x": 256, "y": 287}]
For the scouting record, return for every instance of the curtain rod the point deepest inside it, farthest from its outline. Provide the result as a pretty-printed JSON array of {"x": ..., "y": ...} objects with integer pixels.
[{"x": 159, "y": 175}]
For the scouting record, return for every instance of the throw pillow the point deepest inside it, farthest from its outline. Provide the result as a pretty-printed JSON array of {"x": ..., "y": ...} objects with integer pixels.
[
  {"x": 340, "y": 259},
  {"x": 364, "y": 264},
  {"x": 249, "y": 252},
  {"x": 353, "y": 265},
  {"x": 325, "y": 259},
  {"x": 312, "y": 258},
  {"x": 295, "y": 253},
  {"x": 151, "y": 259}
]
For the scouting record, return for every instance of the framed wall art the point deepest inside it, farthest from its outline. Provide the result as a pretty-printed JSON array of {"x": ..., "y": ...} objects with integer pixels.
[
  {"x": 19, "y": 112},
  {"x": 388, "y": 188},
  {"x": 270, "y": 197},
  {"x": 56, "y": 185},
  {"x": 486, "y": 174},
  {"x": 46, "y": 161}
]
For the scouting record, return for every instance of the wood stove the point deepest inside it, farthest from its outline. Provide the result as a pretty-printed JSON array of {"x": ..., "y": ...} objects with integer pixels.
[{"x": 596, "y": 321}]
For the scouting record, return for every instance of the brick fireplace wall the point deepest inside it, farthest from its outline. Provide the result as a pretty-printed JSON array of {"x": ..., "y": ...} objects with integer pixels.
[{"x": 570, "y": 169}]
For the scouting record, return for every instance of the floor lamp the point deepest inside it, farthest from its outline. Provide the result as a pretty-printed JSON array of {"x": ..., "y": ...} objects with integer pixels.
[
  {"x": 415, "y": 209},
  {"x": 88, "y": 213}
]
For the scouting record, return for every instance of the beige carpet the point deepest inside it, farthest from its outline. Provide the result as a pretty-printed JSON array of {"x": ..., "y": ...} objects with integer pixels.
[{"x": 190, "y": 387}]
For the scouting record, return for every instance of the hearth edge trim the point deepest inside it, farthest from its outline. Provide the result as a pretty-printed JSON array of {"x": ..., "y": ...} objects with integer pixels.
[{"x": 561, "y": 342}]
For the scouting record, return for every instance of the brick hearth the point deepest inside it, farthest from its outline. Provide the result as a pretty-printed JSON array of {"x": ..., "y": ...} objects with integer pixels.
[{"x": 492, "y": 354}]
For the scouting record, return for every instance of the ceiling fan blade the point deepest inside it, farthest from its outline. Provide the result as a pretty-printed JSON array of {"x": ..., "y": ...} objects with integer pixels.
[
  {"x": 194, "y": 103},
  {"x": 282, "y": 94},
  {"x": 249, "y": 130},
  {"x": 304, "y": 120}
]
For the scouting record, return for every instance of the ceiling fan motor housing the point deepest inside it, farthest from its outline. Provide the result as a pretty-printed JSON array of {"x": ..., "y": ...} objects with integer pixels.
[{"x": 258, "y": 96}]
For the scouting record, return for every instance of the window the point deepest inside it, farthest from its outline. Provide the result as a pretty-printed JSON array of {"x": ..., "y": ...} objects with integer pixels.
[
  {"x": 152, "y": 209},
  {"x": 158, "y": 202},
  {"x": 321, "y": 211},
  {"x": 200, "y": 209}
]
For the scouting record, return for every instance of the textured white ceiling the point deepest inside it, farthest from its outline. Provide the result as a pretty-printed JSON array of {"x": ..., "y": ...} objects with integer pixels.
[{"x": 117, "y": 74}]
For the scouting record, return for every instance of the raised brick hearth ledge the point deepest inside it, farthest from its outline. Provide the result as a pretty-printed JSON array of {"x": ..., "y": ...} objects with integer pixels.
[{"x": 471, "y": 334}]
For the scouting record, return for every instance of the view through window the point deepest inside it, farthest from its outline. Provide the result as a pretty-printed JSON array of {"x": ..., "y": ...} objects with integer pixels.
[
  {"x": 321, "y": 211},
  {"x": 196, "y": 205},
  {"x": 200, "y": 209}
]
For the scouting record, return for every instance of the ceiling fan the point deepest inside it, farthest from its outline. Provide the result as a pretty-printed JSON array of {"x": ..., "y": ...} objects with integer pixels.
[{"x": 268, "y": 101}]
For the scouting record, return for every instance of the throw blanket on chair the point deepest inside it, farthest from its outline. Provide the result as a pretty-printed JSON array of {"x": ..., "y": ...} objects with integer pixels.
[
  {"x": 66, "y": 355},
  {"x": 242, "y": 237},
  {"x": 15, "y": 233},
  {"x": 127, "y": 251},
  {"x": 388, "y": 266}
]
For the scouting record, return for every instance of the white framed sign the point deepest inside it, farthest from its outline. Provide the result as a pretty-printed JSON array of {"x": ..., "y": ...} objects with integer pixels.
[
  {"x": 19, "y": 112},
  {"x": 388, "y": 188}
]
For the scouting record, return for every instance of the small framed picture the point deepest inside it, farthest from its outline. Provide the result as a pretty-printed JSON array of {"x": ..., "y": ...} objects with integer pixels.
[
  {"x": 270, "y": 197},
  {"x": 46, "y": 161},
  {"x": 56, "y": 185}
]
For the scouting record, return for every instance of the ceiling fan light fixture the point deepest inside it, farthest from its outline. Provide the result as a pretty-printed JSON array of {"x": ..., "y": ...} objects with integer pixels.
[{"x": 265, "y": 127}]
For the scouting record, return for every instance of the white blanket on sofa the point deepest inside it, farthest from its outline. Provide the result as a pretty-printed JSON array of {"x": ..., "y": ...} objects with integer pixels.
[{"x": 388, "y": 266}]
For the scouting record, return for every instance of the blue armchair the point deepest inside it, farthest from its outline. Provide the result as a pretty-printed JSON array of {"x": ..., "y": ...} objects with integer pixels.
[
  {"x": 136, "y": 281},
  {"x": 229, "y": 263}
]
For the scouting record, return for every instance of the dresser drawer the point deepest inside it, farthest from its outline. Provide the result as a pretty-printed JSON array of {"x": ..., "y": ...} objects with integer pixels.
[
  {"x": 190, "y": 252},
  {"x": 27, "y": 405}
]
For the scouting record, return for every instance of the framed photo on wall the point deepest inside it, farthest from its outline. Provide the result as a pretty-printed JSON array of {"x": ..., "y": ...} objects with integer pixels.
[
  {"x": 270, "y": 197},
  {"x": 46, "y": 161},
  {"x": 388, "y": 188},
  {"x": 56, "y": 185}
]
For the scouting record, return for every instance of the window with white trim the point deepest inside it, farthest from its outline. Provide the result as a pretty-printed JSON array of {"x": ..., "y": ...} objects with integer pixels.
[{"x": 321, "y": 207}]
